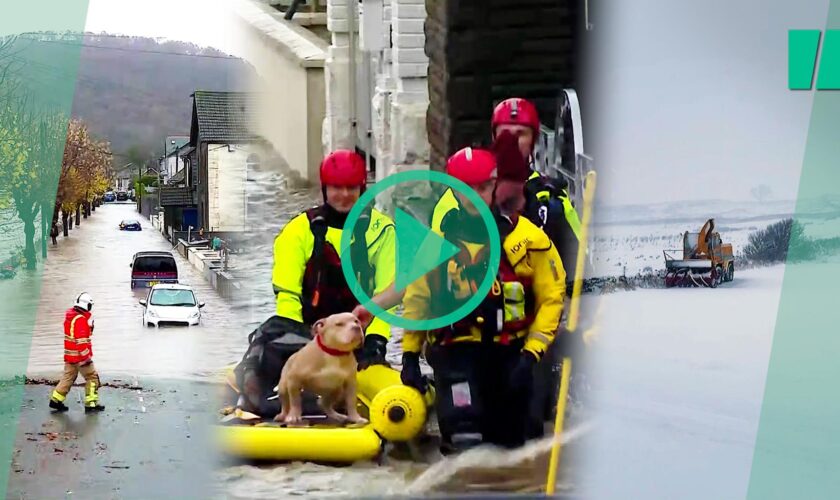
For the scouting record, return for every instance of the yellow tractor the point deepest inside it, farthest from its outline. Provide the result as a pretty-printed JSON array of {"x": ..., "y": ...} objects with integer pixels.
[{"x": 706, "y": 260}]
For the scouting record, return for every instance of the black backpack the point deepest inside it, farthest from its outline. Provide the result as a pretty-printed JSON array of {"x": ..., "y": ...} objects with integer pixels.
[{"x": 269, "y": 347}]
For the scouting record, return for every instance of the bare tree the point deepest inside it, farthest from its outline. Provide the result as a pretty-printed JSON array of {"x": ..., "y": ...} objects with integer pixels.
[{"x": 761, "y": 192}]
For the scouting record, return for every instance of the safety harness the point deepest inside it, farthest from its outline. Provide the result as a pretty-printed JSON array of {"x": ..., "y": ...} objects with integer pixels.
[
  {"x": 509, "y": 305},
  {"x": 325, "y": 290}
]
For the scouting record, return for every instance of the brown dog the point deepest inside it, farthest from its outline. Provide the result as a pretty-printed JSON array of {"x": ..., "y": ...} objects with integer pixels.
[{"x": 325, "y": 366}]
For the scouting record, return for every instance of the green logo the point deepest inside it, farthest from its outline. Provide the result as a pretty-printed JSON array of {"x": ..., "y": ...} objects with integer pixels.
[
  {"x": 803, "y": 46},
  {"x": 420, "y": 250}
]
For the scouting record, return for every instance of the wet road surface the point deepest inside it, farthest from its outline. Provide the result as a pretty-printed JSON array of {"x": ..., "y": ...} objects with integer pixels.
[
  {"x": 95, "y": 258},
  {"x": 149, "y": 443}
]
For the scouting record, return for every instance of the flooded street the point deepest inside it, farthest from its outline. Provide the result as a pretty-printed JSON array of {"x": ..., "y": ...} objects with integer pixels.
[{"x": 95, "y": 258}]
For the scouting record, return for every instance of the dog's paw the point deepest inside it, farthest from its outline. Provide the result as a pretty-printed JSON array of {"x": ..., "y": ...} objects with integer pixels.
[
  {"x": 294, "y": 420},
  {"x": 357, "y": 420},
  {"x": 281, "y": 417},
  {"x": 338, "y": 417}
]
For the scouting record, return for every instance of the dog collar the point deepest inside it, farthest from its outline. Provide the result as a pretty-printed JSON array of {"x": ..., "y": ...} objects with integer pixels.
[{"x": 330, "y": 350}]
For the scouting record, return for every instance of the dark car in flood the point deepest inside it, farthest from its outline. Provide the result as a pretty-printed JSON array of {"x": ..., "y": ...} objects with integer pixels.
[
  {"x": 109, "y": 197},
  {"x": 122, "y": 196},
  {"x": 130, "y": 225},
  {"x": 150, "y": 268}
]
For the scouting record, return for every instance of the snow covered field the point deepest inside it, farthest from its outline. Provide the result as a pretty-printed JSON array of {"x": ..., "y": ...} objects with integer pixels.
[
  {"x": 679, "y": 381},
  {"x": 630, "y": 239}
]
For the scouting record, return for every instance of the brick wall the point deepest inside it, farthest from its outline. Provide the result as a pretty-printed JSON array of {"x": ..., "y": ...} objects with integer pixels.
[{"x": 482, "y": 51}]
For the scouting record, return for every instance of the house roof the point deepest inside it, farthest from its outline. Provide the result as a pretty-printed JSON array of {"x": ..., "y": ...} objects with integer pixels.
[
  {"x": 222, "y": 116},
  {"x": 180, "y": 141}
]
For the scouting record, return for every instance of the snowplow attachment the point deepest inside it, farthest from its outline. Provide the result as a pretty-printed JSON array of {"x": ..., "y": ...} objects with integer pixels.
[{"x": 690, "y": 272}]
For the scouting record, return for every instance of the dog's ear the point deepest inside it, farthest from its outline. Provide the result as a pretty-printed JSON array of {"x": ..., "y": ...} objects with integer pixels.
[{"x": 318, "y": 326}]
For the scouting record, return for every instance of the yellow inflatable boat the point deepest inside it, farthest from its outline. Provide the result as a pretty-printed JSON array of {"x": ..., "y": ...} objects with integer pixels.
[{"x": 395, "y": 412}]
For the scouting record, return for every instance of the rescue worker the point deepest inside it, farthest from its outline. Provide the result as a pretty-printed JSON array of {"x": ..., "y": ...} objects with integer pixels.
[
  {"x": 547, "y": 205},
  {"x": 547, "y": 202},
  {"x": 78, "y": 356},
  {"x": 308, "y": 280},
  {"x": 483, "y": 364}
]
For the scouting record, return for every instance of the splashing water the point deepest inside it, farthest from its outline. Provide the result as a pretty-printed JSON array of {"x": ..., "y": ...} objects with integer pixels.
[{"x": 488, "y": 468}]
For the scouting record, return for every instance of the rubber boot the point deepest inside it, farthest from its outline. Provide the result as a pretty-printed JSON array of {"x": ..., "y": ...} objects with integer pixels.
[
  {"x": 58, "y": 405},
  {"x": 91, "y": 399},
  {"x": 95, "y": 408}
]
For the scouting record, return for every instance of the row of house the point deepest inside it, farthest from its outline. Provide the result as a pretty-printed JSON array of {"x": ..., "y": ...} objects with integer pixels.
[{"x": 205, "y": 174}]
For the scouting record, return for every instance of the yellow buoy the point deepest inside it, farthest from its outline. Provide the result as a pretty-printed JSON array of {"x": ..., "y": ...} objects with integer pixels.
[{"x": 398, "y": 413}]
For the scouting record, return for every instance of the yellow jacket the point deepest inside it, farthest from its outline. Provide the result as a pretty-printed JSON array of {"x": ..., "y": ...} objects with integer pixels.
[
  {"x": 293, "y": 249},
  {"x": 532, "y": 256},
  {"x": 446, "y": 203}
]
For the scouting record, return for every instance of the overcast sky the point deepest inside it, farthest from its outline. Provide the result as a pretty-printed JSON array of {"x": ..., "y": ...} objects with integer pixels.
[
  {"x": 692, "y": 99},
  {"x": 203, "y": 22}
]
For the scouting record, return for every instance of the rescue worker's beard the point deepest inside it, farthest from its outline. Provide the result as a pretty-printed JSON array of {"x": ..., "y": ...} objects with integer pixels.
[
  {"x": 324, "y": 193},
  {"x": 333, "y": 217}
]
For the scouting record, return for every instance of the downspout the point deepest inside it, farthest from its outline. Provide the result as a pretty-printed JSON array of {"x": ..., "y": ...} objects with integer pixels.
[
  {"x": 292, "y": 9},
  {"x": 351, "y": 54}
]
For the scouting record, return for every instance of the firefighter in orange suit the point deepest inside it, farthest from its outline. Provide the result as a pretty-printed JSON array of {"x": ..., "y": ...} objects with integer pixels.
[{"x": 78, "y": 356}]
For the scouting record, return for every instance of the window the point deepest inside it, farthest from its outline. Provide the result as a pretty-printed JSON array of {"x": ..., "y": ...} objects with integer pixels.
[
  {"x": 155, "y": 265},
  {"x": 253, "y": 161},
  {"x": 172, "y": 298}
]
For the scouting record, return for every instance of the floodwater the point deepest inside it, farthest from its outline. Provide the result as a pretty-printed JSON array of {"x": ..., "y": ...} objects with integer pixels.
[{"x": 95, "y": 258}]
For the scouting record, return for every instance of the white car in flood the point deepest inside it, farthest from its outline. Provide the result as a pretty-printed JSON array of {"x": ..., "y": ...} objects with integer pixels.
[{"x": 171, "y": 304}]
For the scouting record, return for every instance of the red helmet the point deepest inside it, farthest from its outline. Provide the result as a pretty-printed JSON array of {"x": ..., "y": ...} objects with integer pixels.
[
  {"x": 343, "y": 168},
  {"x": 472, "y": 166},
  {"x": 516, "y": 111}
]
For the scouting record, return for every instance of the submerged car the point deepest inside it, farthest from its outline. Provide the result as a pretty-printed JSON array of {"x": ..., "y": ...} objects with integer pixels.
[
  {"x": 150, "y": 268},
  {"x": 130, "y": 225},
  {"x": 122, "y": 196},
  {"x": 109, "y": 197},
  {"x": 171, "y": 304}
]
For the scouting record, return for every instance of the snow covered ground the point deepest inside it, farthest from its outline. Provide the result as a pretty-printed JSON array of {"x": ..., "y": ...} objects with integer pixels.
[
  {"x": 630, "y": 239},
  {"x": 678, "y": 384}
]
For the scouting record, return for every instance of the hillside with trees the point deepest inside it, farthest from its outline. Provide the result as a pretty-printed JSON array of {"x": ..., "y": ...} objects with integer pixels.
[{"x": 132, "y": 91}]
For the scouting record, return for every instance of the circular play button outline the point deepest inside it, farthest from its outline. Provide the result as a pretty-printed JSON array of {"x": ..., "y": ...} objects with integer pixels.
[{"x": 486, "y": 216}]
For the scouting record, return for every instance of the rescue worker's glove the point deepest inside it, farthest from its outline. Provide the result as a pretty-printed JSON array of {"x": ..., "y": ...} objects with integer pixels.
[
  {"x": 373, "y": 351},
  {"x": 568, "y": 344},
  {"x": 522, "y": 376},
  {"x": 411, "y": 374}
]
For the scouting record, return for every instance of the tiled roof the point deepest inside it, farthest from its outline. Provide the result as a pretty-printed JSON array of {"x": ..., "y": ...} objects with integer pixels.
[
  {"x": 224, "y": 116},
  {"x": 174, "y": 196}
]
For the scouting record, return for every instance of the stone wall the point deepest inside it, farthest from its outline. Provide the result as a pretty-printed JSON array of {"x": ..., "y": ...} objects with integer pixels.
[
  {"x": 398, "y": 89},
  {"x": 289, "y": 63},
  {"x": 482, "y": 51}
]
